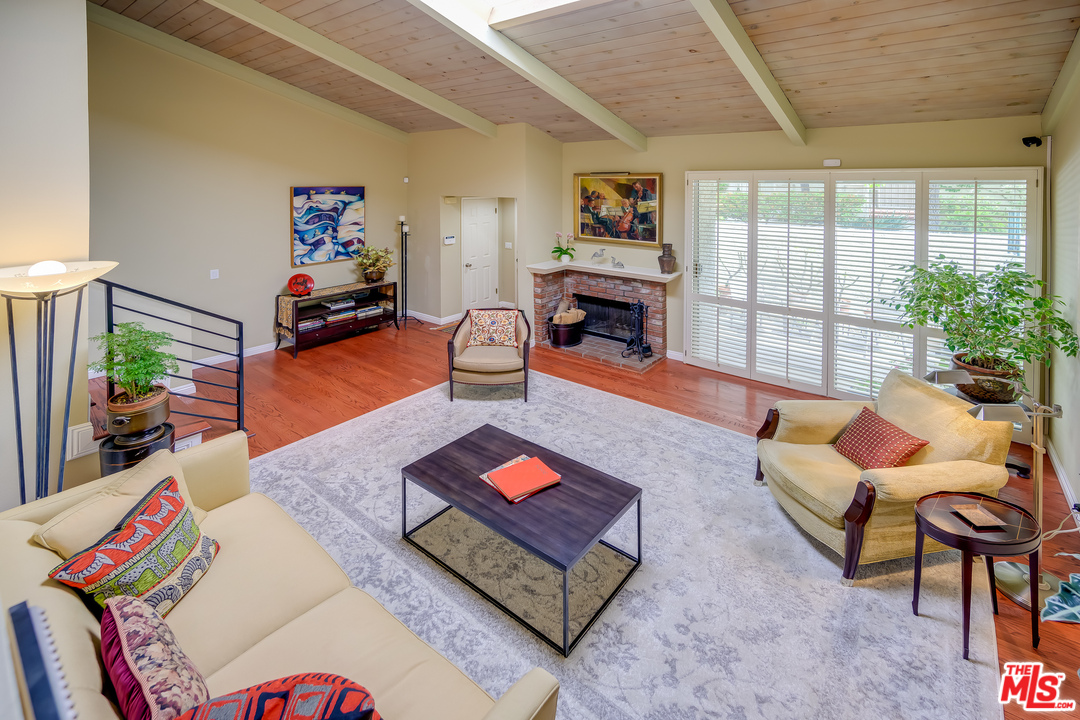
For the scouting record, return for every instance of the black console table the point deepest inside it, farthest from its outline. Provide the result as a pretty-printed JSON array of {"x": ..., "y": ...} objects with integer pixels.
[{"x": 309, "y": 321}]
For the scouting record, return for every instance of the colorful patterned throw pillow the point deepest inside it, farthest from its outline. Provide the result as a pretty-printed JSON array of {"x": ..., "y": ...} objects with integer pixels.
[
  {"x": 311, "y": 696},
  {"x": 157, "y": 553},
  {"x": 873, "y": 442},
  {"x": 493, "y": 327},
  {"x": 153, "y": 678}
]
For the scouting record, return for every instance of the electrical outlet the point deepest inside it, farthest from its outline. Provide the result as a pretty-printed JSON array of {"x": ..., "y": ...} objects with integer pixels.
[
  {"x": 213, "y": 274},
  {"x": 508, "y": 246}
]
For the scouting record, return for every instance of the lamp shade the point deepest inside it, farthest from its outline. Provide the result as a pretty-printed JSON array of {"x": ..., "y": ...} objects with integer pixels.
[
  {"x": 18, "y": 280},
  {"x": 1008, "y": 412}
]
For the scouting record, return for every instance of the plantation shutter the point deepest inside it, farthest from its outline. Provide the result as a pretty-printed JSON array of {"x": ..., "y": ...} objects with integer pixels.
[
  {"x": 720, "y": 242},
  {"x": 789, "y": 307}
]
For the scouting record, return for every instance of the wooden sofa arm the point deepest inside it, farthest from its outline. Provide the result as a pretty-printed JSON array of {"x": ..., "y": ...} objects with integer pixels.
[
  {"x": 216, "y": 472},
  {"x": 533, "y": 697},
  {"x": 855, "y": 519}
]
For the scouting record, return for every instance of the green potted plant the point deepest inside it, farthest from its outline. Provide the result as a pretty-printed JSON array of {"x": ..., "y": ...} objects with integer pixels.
[
  {"x": 564, "y": 247},
  {"x": 373, "y": 262},
  {"x": 993, "y": 322},
  {"x": 133, "y": 358}
]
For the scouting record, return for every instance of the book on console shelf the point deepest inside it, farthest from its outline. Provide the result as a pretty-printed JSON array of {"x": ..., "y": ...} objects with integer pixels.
[
  {"x": 338, "y": 304},
  {"x": 521, "y": 478}
]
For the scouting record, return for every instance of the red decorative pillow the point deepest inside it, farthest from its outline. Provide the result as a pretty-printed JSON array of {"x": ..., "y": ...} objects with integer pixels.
[
  {"x": 873, "y": 442},
  {"x": 310, "y": 696}
]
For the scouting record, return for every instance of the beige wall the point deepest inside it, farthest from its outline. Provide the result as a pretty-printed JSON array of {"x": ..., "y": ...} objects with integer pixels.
[
  {"x": 507, "y": 263},
  {"x": 1064, "y": 273},
  {"x": 44, "y": 200},
  {"x": 941, "y": 144},
  {"x": 191, "y": 171}
]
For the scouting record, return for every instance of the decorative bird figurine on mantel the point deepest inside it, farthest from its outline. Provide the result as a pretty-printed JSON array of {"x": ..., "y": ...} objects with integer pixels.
[{"x": 598, "y": 256}]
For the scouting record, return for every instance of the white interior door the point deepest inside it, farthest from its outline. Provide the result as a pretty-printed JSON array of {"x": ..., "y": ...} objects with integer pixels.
[{"x": 479, "y": 252}]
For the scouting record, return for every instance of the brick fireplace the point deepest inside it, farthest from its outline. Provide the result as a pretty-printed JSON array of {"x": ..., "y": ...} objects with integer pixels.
[{"x": 553, "y": 282}]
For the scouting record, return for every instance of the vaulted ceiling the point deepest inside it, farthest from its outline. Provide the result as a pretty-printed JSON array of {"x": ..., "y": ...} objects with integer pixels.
[{"x": 657, "y": 67}]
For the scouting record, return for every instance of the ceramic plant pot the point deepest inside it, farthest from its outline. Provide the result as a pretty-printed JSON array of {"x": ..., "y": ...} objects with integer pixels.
[
  {"x": 987, "y": 391},
  {"x": 127, "y": 418}
]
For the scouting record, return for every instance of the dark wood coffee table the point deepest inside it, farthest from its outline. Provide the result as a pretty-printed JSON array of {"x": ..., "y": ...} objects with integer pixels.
[
  {"x": 559, "y": 525},
  {"x": 1019, "y": 535}
]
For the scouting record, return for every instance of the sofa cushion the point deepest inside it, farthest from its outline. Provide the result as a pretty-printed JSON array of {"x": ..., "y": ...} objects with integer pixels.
[
  {"x": 493, "y": 327},
  {"x": 816, "y": 475},
  {"x": 353, "y": 635},
  {"x": 80, "y": 526},
  {"x": 157, "y": 553},
  {"x": 152, "y": 677},
  {"x": 269, "y": 571},
  {"x": 489, "y": 358},
  {"x": 308, "y": 696},
  {"x": 942, "y": 419},
  {"x": 873, "y": 442}
]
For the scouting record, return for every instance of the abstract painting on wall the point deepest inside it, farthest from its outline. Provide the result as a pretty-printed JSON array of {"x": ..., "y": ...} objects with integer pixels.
[{"x": 327, "y": 224}]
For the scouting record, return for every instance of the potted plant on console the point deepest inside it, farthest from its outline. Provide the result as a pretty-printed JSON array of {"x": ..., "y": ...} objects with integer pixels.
[
  {"x": 373, "y": 262},
  {"x": 994, "y": 322},
  {"x": 133, "y": 358}
]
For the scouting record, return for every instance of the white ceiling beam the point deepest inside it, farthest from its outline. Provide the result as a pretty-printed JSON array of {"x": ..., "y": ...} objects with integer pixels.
[
  {"x": 725, "y": 25},
  {"x": 522, "y": 12},
  {"x": 303, "y": 37},
  {"x": 163, "y": 41},
  {"x": 1064, "y": 90},
  {"x": 474, "y": 28}
]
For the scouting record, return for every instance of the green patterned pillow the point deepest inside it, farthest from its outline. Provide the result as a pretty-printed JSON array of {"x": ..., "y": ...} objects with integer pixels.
[
  {"x": 156, "y": 553},
  {"x": 493, "y": 327}
]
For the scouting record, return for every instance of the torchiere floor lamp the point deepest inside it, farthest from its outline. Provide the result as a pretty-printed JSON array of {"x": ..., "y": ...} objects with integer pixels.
[
  {"x": 45, "y": 283},
  {"x": 404, "y": 314}
]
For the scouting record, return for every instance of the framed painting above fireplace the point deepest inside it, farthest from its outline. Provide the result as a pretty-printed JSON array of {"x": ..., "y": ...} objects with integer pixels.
[{"x": 620, "y": 208}]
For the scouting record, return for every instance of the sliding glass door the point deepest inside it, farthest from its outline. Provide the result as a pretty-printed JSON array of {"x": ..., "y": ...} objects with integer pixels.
[{"x": 793, "y": 275}]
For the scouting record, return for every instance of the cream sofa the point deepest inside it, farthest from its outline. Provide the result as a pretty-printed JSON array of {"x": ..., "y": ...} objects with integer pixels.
[
  {"x": 869, "y": 515},
  {"x": 273, "y": 603}
]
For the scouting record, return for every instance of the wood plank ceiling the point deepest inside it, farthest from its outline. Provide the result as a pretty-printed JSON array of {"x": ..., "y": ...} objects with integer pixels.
[{"x": 657, "y": 66}]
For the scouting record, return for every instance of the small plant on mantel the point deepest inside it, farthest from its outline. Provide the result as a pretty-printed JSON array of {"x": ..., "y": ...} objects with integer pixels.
[
  {"x": 992, "y": 321},
  {"x": 564, "y": 246},
  {"x": 133, "y": 358}
]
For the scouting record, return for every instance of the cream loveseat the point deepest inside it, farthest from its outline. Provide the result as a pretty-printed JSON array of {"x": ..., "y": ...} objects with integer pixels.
[
  {"x": 272, "y": 604},
  {"x": 870, "y": 514}
]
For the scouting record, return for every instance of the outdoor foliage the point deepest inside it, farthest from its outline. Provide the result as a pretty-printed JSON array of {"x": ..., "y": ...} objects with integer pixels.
[
  {"x": 993, "y": 316},
  {"x": 373, "y": 258},
  {"x": 132, "y": 357}
]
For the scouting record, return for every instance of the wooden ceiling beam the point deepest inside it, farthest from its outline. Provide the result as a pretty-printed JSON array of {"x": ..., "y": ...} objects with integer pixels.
[
  {"x": 475, "y": 29},
  {"x": 725, "y": 25},
  {"x": 1064, "y": 90},
  {"x": 135, "y": 29},
  {"x": 303, "y": 37}
]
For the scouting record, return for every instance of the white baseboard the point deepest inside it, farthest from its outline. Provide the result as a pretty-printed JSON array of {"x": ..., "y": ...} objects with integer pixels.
[
  {"x": 507, "y": 305},
  {"x": 672, "y": 355},
  {"x": 1063, "y": 474},
  {"x": 435, "y": 320},
  {"x": 81, "y": 441},
  {"x": 248, "y": 352},
  {"x": 185, "y": 389}
]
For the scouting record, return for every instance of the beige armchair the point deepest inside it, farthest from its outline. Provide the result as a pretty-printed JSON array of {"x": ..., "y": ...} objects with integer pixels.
[
  {"x": 489, "y": 365},
  {"x": 870, "y": 514}
]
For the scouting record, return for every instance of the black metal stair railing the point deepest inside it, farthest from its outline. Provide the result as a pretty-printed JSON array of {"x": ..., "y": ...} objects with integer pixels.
[{"x": 231, "y": 331}]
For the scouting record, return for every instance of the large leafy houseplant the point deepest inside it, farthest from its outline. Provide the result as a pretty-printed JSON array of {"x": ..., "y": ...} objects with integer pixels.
[
  {"x": 997, "y": 320},
  {"x": 373, "y": 259},
  {"x": 133, "y": 357}
]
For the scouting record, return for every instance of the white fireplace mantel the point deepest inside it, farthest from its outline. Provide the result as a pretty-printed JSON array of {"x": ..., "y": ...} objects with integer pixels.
[{"x": 630, "y": 271}]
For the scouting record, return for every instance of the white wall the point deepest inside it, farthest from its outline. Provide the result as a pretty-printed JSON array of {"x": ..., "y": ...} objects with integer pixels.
[{"x": 44, "y": 199}]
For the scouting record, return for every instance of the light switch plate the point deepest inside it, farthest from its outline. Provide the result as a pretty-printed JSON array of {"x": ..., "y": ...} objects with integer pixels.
[
  {"x": 508, "y": 246},
  {"x": 213, "y": 274}
]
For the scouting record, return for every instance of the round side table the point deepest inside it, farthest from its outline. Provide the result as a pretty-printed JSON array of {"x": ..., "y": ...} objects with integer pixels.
[{"x": 1019, "y": 534}]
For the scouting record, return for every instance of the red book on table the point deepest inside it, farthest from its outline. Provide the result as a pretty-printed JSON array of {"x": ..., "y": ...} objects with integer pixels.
[{"x": 523, "y": 478}]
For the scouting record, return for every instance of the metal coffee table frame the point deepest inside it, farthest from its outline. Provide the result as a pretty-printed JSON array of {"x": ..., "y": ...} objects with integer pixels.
[{"x": 568, "y": 645}]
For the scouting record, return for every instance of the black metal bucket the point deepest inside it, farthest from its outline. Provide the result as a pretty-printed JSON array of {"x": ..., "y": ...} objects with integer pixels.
[{"x": 566, "y": 334}]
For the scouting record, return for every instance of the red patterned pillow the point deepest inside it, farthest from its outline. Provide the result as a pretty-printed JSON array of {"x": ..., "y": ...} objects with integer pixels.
[
  {"x": 310, "y": 696},
  {"x": 153, "y": 678},
  {"x": 157, "y": 553},
  {"x": 493, "y": 327},
  {"x": 873, "y": 442}
]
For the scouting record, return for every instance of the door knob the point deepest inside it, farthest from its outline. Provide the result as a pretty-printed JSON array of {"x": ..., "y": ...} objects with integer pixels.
[{"x": 468, "y": 264}]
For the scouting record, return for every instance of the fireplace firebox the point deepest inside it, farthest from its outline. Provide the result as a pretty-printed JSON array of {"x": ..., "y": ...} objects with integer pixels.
[{"x": 611, "y": 319}]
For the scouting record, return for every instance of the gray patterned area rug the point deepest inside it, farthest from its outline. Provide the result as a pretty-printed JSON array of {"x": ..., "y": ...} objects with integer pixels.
[{"x": 735, "y": 612}]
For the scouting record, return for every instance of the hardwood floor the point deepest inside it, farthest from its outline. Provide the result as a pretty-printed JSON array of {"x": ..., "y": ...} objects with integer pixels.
[{"x": 290, "y": 399}]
